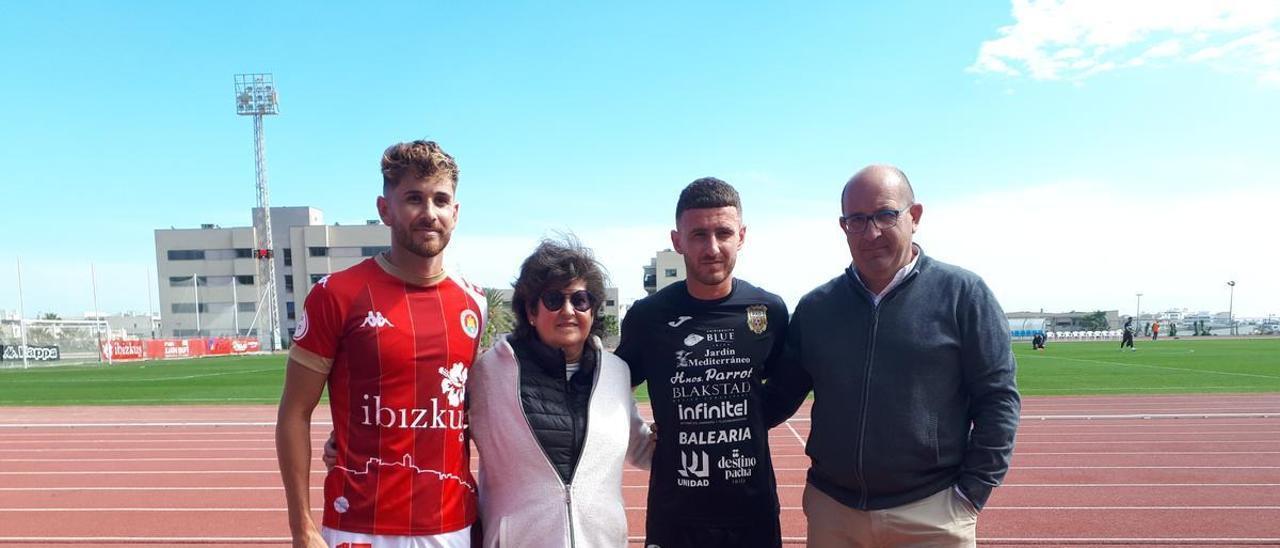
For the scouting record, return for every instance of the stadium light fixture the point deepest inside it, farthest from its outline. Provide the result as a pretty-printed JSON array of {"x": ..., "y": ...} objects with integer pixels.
[{"x": 256, "y": 96}]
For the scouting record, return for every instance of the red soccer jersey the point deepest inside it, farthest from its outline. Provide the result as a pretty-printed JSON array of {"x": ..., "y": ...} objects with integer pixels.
[{"x": 397, "y": 355}]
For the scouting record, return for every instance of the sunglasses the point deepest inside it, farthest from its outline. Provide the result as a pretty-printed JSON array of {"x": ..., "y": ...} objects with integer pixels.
[{"x": 581, "y": 300}]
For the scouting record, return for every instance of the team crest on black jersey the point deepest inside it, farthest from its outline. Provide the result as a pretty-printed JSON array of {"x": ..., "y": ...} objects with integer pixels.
[{"x": 758, "y": 318}]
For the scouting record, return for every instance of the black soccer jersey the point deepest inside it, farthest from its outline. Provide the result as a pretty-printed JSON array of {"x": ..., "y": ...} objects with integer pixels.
[{"x": 704, "y": 362}]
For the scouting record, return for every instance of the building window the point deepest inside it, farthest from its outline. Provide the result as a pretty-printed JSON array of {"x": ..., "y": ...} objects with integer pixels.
[
  {"x": 185, "y": 281},
  {"x": 369, "y": 251},
  {"x": 244, "y": 253},
  {"x": 288, "y": 283},
  {"x": 188, "y": 308},
  {"x": 318, "y": 251},
  {"x": 219, "y": 254},
  {"x": 315, "y": 278},
  {"x": 245, "y": 279},
  {"x": 288, "y": 310},
  {"x": 288, "y": 257},
  {"x": 608, "y": 302},
  {"x": 670, "y": 273},
  {"x": 186, "y": 254},
  {"x": 247, "y": 307}
]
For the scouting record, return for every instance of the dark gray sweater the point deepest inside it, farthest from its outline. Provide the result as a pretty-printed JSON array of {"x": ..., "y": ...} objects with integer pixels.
[{"x": 898, "y": 387}]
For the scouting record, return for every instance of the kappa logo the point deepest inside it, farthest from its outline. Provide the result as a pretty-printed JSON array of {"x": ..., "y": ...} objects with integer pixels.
[
  {"x": 324, "y": 282},
  {"x": 679, "y": 320},
  {"x": 375, "y": 319},
  {"x": 693, "y": 339}
]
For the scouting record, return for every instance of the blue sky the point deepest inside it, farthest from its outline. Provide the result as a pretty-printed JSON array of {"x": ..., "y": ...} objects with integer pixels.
[{"x": 1072, "y": 153}]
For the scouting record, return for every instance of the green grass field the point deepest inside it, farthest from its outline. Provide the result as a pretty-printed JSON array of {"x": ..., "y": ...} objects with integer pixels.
[
  {"x": 1166, "y": 367},
  {"x": 1163, "y": 367}
]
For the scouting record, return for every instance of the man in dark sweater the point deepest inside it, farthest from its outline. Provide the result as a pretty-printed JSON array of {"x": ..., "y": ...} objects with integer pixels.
[
  {"x": 912, "y": 371},
  {"x": 704, "y": 345}
]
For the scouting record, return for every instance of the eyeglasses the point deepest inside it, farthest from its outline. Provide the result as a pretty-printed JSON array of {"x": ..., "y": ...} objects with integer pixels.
[
  {"x": 857, "y": 223},
  {"x": 581, "y": 300}
]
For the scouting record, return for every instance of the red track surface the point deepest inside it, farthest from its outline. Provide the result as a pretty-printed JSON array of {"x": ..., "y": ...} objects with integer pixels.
[{"x": 1098, "y": 471}]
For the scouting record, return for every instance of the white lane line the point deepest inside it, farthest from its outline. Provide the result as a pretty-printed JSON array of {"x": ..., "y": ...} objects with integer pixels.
[
  {"x": 143, "y": 472},
  {"x": 1191, "y": 541},
  {"x": 146, "y": 540},
  {"x": 796, "y": 434},
  {"x": 1144, "y": 485},
  {"x": 638, "y": 486},
  {"x": 153, "y": 459},
  {"x": 317, "y": 509},
  {"x": 131, "y": 424},
  {"x": 197, "y": 488},
  {"x": 1143, "y": 442},
  {"x": 1148, "y": 453},
  {"x": 1166, "y": 367},
  {"x": 1146, "y": 467}
]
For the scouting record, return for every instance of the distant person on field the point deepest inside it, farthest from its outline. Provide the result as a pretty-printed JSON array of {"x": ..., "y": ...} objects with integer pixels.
[
  {"x": 915, "y": 403},
  {"x": 1155, "y": 331},
  {"x": 1127, "y": 341},
  {"x": 393, "y": 338},
  {"x": 1037, "y": 341}
]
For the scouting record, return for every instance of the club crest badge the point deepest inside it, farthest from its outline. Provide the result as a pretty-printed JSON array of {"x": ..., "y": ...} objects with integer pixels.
[
  {"x": 470, "y": 323},
  {"x": 758, "y": 318}
]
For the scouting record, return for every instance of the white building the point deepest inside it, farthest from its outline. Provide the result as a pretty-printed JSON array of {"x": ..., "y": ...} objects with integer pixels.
[
  {"x": 666, "y": 268},
  {"x": 208, "y": 276}
]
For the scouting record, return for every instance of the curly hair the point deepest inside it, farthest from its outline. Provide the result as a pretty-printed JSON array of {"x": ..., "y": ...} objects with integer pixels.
[
  {"x": 420, "y": 159},
  {"x": 706, "y": 193},
  {"x": 551, "y": 267}
]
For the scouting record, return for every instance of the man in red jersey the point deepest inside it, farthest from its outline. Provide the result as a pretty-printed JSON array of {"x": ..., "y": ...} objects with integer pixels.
[{"x": 393, "y": 337}]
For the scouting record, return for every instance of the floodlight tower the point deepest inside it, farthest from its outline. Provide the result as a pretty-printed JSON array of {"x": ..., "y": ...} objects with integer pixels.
[
  {"x": 256, "y": 97},
  {"x": 1231, "y": 302}
]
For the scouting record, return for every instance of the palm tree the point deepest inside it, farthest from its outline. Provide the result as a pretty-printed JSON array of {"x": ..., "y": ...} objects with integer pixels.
[{"x": 500, "y": 318}]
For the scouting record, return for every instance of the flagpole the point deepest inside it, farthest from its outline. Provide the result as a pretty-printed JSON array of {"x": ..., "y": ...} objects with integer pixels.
[
  {"x": 22, "y": 321},
  {"x": 97, "y": 328}
]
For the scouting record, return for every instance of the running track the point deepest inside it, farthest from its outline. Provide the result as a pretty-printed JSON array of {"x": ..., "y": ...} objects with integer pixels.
[{"x": 1137, "y": 470}]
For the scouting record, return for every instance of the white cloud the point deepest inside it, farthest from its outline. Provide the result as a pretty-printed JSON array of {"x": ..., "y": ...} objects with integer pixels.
[{"x": 1075, "y": 39}]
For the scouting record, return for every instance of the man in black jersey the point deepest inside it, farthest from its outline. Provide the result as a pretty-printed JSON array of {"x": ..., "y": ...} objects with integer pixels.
[{"x": 704, "y": 345}]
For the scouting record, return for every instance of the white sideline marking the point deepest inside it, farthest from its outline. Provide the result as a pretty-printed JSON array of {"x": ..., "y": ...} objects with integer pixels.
[{"x": 1149, "y": 366}]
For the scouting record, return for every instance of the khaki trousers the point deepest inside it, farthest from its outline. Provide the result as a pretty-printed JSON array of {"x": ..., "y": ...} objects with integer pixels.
[{"x": 942, "y": 519}]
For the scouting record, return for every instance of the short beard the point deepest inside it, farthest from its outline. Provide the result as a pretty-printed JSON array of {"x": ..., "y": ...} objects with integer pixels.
[{"x": 426, "y": 250}]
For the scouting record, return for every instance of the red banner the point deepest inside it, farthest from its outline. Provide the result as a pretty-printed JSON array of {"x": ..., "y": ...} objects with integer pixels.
[
  {"x": 123, "y": 350},
  {"x": 163, "y": 349}
]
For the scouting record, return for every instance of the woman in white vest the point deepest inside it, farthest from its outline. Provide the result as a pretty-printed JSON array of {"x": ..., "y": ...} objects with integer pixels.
[{"x": 552, "y": 413}]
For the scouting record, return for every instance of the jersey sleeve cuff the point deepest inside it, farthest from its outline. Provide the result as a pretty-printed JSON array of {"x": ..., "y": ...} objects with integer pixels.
[{"x": 310, "y": 360}]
